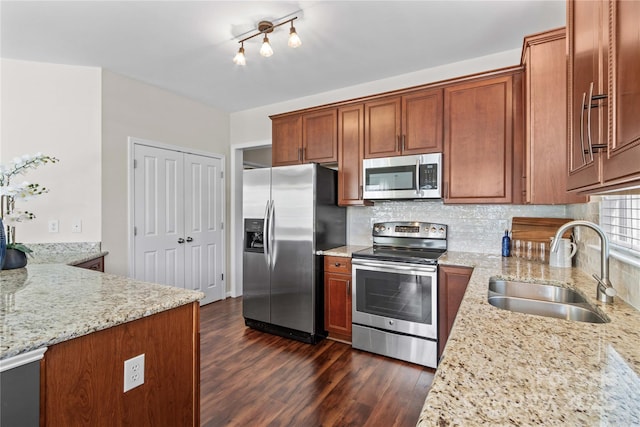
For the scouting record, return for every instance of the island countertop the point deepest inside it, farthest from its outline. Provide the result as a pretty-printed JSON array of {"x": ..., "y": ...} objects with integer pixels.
[
  {"x": 505, "y": 368},
  {"x": 44, "y": 304}
]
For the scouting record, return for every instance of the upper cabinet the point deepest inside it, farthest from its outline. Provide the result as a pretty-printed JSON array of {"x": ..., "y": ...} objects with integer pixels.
[
  {"x": 545, "y": 85},
  {"x": 587, "y": 90},
  {"x": 481, "y": 119},
  {"x": 403, "y": 125},
  {"x": 350, "y": 152},
  {"x": 623, "y": 162},
  {"x": 603, "y": 94},
  {"x": 305, "y": 138}
]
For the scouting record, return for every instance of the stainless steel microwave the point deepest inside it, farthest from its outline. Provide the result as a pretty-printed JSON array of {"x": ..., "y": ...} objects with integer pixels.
[{"x": 403, "y": 177}]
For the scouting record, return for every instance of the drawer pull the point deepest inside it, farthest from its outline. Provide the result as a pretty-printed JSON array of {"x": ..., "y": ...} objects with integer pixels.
[{"x": 337, "y": 264}]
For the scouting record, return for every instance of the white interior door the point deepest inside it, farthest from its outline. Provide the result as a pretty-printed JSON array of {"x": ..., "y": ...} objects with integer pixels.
[
  {"x": 178, "y": 218},
  {"x": 203, "y": 226},
  {"x": 158, "y": 215}
]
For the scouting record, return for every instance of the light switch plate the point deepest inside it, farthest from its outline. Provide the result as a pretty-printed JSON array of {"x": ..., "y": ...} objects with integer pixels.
[
  {"x": 133, "y": 372},
  {"x": 53, "y": 226}
]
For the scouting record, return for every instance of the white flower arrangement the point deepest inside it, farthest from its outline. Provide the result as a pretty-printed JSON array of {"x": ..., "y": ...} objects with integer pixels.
[{"x": 10, "y": 193}]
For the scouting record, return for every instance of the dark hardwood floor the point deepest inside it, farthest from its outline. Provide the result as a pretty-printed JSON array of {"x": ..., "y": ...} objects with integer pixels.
[{"x": 251, "y": 378}]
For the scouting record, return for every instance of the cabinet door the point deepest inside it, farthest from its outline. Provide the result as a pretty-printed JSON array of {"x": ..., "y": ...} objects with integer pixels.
[
  {"x": 286, "y": 140},
  {"x": 319, "y": 137},
  {"x": 586, "y": 30},
  {"x": 382, "y": 128},
  {"x": 422, "y": 122},
  {"x": 479, "y": 141},
  {"x": 546, "y": 120},
  {"x": 350, "y": 152},
  {"x": 337, "y": 305},
  {"x": 452, "y": 284},
  {"x": 624, "y": 142}
]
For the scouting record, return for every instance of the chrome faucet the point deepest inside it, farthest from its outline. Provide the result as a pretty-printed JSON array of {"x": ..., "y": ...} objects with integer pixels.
[{"x": 605, "y": 291}]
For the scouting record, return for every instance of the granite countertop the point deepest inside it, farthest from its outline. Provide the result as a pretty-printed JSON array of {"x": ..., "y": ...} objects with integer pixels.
[
  {"x": 44, "y": 304},
  {"x": 69, "y": 258},
  {"x": 505, "y": 368},
  {"x": 342, "y": 251}
]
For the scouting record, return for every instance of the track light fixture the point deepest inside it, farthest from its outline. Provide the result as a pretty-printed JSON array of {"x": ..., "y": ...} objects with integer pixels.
[{"x": 266, "y": 27}]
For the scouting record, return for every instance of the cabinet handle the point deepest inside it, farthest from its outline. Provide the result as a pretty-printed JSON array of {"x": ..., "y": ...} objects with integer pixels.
[
  {"x": 403, "y": 139},
  {"x": 303, "y": 150},
  {"x": 348, "y": 287},
  {"x": 180, "y": 240},
  {"x": 589, "y": 122},
  {"x": 584, "y": 98},
  {"x": 189, "y": 239},
  {"x": 399, "y": 143},
  {"x": 299, "y": 154}
]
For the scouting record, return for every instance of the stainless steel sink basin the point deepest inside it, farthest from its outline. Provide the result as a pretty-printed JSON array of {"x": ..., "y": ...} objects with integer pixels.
[
  {"x": 536, "y": 291},
  {"x": 542, "y": 300}
]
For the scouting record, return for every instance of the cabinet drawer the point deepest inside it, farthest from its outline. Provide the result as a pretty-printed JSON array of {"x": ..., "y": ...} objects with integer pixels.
[{"x": 337, "y": 264}]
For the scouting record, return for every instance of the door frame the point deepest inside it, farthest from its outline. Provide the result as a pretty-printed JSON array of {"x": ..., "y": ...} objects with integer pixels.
[
  {"x": 237, "y": 156},
  {"x": 131, "y": 143}
]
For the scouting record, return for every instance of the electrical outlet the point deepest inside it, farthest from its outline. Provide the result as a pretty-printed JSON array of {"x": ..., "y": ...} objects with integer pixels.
[
  {"x": 133, "y": 372},
  {"x": 76, "y": 227},
  {"x": 53, "y": 226}
]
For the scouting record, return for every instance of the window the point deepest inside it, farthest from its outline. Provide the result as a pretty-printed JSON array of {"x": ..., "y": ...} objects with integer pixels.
[{"x": 620, "y": 219}]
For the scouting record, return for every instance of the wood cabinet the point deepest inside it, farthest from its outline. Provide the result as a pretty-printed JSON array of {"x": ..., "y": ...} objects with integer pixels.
[
  {"x": 587, "y": 88},
  {"x": 604, "y": 94},
  {"x": 479, "y": 128},
  {"x": 286, "y": 140},
  {"x": 623, "y": 161},
  {"x": 403, "y": 125},
  {"x": 452, "y": 284},
  {"x": 82, "y": 380},
  {"x": 305, "y": 138},
  {"x": 350, "y": 154},
  {"x": 96, "y": 264},
  {"x": 337, "y": 297},
  {"x": 545, "y": 154}
]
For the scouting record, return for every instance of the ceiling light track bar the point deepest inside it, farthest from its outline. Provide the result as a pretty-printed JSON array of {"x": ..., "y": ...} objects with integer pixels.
[{"x": 265, "y": 27}]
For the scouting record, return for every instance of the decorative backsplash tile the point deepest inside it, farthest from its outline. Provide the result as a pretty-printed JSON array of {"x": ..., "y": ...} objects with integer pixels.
[{"x": 472, "y": 228}]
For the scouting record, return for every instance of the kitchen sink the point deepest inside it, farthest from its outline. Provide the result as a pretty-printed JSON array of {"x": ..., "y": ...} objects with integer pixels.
[
  {"x": 536, "y": 291},
  {"x": 542, "y": 300}
]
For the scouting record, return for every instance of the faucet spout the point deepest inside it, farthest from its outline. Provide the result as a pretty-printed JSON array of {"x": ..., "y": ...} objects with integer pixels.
[{"x": 605, "y": 291}]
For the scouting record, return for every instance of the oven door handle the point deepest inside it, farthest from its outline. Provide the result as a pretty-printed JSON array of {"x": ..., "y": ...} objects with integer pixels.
[{"x": 395, "y": 266}]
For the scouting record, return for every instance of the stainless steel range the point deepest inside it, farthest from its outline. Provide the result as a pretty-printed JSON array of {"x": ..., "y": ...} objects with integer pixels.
[{"x": 395, "y": 291}]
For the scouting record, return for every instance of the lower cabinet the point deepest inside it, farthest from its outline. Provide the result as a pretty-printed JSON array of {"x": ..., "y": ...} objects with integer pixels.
[
  {"x": 96, "y": 264},
  {"x": 82, "y": 379},
  {"x": 452, "y": 284},
  {"x": 337, "y": 297}
]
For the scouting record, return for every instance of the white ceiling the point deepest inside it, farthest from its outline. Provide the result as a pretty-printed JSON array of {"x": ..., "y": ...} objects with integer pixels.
[{"x": 187, "y": 46}]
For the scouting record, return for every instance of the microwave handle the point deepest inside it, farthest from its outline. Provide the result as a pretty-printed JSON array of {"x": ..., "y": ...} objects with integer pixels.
[{"x": 417, "y": 176}]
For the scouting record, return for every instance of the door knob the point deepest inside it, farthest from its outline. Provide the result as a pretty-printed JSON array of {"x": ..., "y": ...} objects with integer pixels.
[
  {"x": 180, "y": 240},
  {"x": 189, "y": 239}
]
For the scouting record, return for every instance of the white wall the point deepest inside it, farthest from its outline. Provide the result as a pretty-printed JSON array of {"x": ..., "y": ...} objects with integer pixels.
[
  {"x": 55, "y": 109},
  {"x": 131, "y": 108}
]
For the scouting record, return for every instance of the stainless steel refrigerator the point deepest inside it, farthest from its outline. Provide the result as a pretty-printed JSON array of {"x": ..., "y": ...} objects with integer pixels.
[{"x": 289, "y": 213}]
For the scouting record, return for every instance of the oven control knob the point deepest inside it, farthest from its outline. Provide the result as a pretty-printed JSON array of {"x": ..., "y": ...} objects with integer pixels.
[
  {"x": 433, "y": 229},
  {"x": 441, "y": 230},
  {"x": 390, "y": 322},
  {"x": 382, "y": 228}
]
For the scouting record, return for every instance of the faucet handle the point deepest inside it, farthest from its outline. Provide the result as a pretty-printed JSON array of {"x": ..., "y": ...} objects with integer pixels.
[{"x": 606, "y": 285}]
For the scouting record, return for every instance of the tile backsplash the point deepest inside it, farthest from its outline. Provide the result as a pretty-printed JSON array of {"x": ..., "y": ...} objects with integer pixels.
[{"x": 472, "y": 228}]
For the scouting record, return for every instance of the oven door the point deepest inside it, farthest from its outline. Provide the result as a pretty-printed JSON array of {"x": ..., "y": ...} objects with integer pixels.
[{"x": 396, "y": 296}]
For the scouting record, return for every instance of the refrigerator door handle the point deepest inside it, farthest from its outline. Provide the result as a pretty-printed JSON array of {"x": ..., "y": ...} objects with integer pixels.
[
  {"x": 265, "y": 231},
  {"x": 272, "y": 240}
]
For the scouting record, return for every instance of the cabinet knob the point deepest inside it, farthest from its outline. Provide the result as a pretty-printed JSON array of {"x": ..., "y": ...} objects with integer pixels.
[
  {"x": 189, "y": 239},
  {"x": 180, "y": 240},
  {"x": 337, "y": 264}
]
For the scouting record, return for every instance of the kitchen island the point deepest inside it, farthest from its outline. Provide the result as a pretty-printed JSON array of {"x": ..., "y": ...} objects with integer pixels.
[
  {"x": 91, "y": 323},
  {"x": 506, "y": 368}
]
